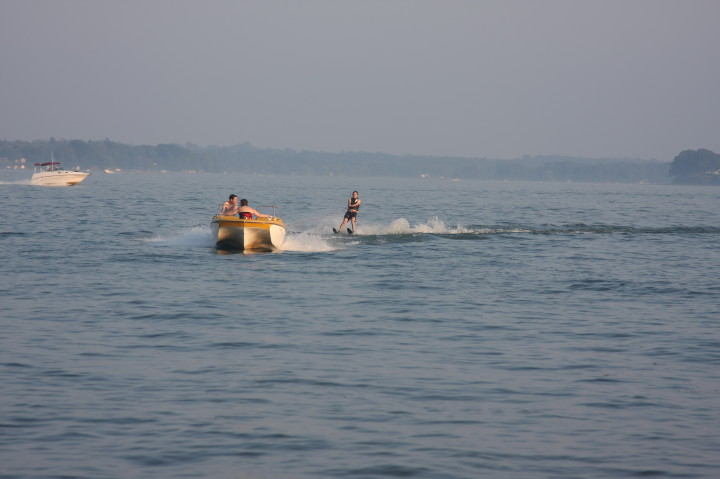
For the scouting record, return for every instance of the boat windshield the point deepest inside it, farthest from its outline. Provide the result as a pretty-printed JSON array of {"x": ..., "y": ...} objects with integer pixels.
[{"x": 49, "y": 166}]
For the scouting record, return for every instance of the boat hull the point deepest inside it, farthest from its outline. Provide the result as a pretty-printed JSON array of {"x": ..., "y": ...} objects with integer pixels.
[
  {"x": 236, "y": 233},
  {"x": 58, "y": 178}
]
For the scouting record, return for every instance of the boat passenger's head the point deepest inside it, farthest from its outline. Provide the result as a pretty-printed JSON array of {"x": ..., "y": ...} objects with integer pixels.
[
  {"x": 243, "y": 202},
  {"x": 232, "y": 197}
]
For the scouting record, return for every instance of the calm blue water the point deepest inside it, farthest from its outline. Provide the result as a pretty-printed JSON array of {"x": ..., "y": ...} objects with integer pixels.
[{"x": 471, "y": 329}]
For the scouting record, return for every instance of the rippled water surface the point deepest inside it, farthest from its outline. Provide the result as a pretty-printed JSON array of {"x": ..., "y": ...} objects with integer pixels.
[{"x": 470, "y": 329}]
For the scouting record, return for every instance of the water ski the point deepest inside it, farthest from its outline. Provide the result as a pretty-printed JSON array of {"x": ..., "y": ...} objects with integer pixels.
[
  {"x": 335, "y": 231},
  {"x": 350, "y": 231}
]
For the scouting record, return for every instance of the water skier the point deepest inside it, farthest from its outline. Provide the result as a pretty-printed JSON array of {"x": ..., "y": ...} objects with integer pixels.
[{"x": 350, "y": 214}]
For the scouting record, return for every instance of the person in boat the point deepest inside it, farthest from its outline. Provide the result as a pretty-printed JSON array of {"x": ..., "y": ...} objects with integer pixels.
[
  {"x": 247, "y": 212},
  {"x": 230, "y": 207},
  {"x": 351, "y": 213}
]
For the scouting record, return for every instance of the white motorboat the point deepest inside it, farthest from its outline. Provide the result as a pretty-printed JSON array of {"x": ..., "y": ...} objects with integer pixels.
[
  {"x": 265, "y": 234},
  {"x": 51, "y": 174}
]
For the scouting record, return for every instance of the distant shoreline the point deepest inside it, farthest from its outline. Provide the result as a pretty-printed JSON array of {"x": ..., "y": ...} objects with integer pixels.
[{"x": 246, "y": 159}]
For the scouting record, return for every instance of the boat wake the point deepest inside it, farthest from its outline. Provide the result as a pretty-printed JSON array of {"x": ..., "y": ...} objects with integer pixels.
[
  {"x": 307, "y": 243},
  {"x": 201, "y": 237},
  {"x": 18, "y": 182},
  {"x": 195, "y": 237},
  {"x": 436, "y": 226},
  {"x": 401, "y": 226},
  {"x": 318, "y": 240}
]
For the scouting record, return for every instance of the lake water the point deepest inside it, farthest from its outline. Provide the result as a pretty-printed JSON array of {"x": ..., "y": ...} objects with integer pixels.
[{"x": 470, "y": 329}]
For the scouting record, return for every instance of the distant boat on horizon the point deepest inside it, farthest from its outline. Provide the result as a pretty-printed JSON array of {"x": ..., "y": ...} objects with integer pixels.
[{"x": 51, "y": 174}]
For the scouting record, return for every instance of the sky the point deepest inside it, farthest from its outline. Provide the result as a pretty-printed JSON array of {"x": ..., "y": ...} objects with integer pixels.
[{"x": 472, "y": 78}]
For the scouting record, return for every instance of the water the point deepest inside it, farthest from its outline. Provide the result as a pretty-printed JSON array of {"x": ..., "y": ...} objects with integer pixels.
[{"x": 471, "y": 329}]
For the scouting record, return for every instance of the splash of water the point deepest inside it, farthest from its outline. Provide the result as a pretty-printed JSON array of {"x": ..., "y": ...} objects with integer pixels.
[
  {"x": 307, "y": 242},
  {"x": 402, "y": 226}
]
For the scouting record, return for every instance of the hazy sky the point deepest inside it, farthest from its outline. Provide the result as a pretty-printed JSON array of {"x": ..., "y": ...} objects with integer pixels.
[{"x": 480, "y": 78}]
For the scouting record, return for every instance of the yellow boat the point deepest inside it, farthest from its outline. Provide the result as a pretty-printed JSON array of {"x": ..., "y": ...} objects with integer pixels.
[{"x": 266, "y": 234}]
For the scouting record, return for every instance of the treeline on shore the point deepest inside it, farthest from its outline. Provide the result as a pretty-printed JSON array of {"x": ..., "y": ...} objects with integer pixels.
[
  {"x": 247, "y": 159},
  {"x": 696, "y": 167}
]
